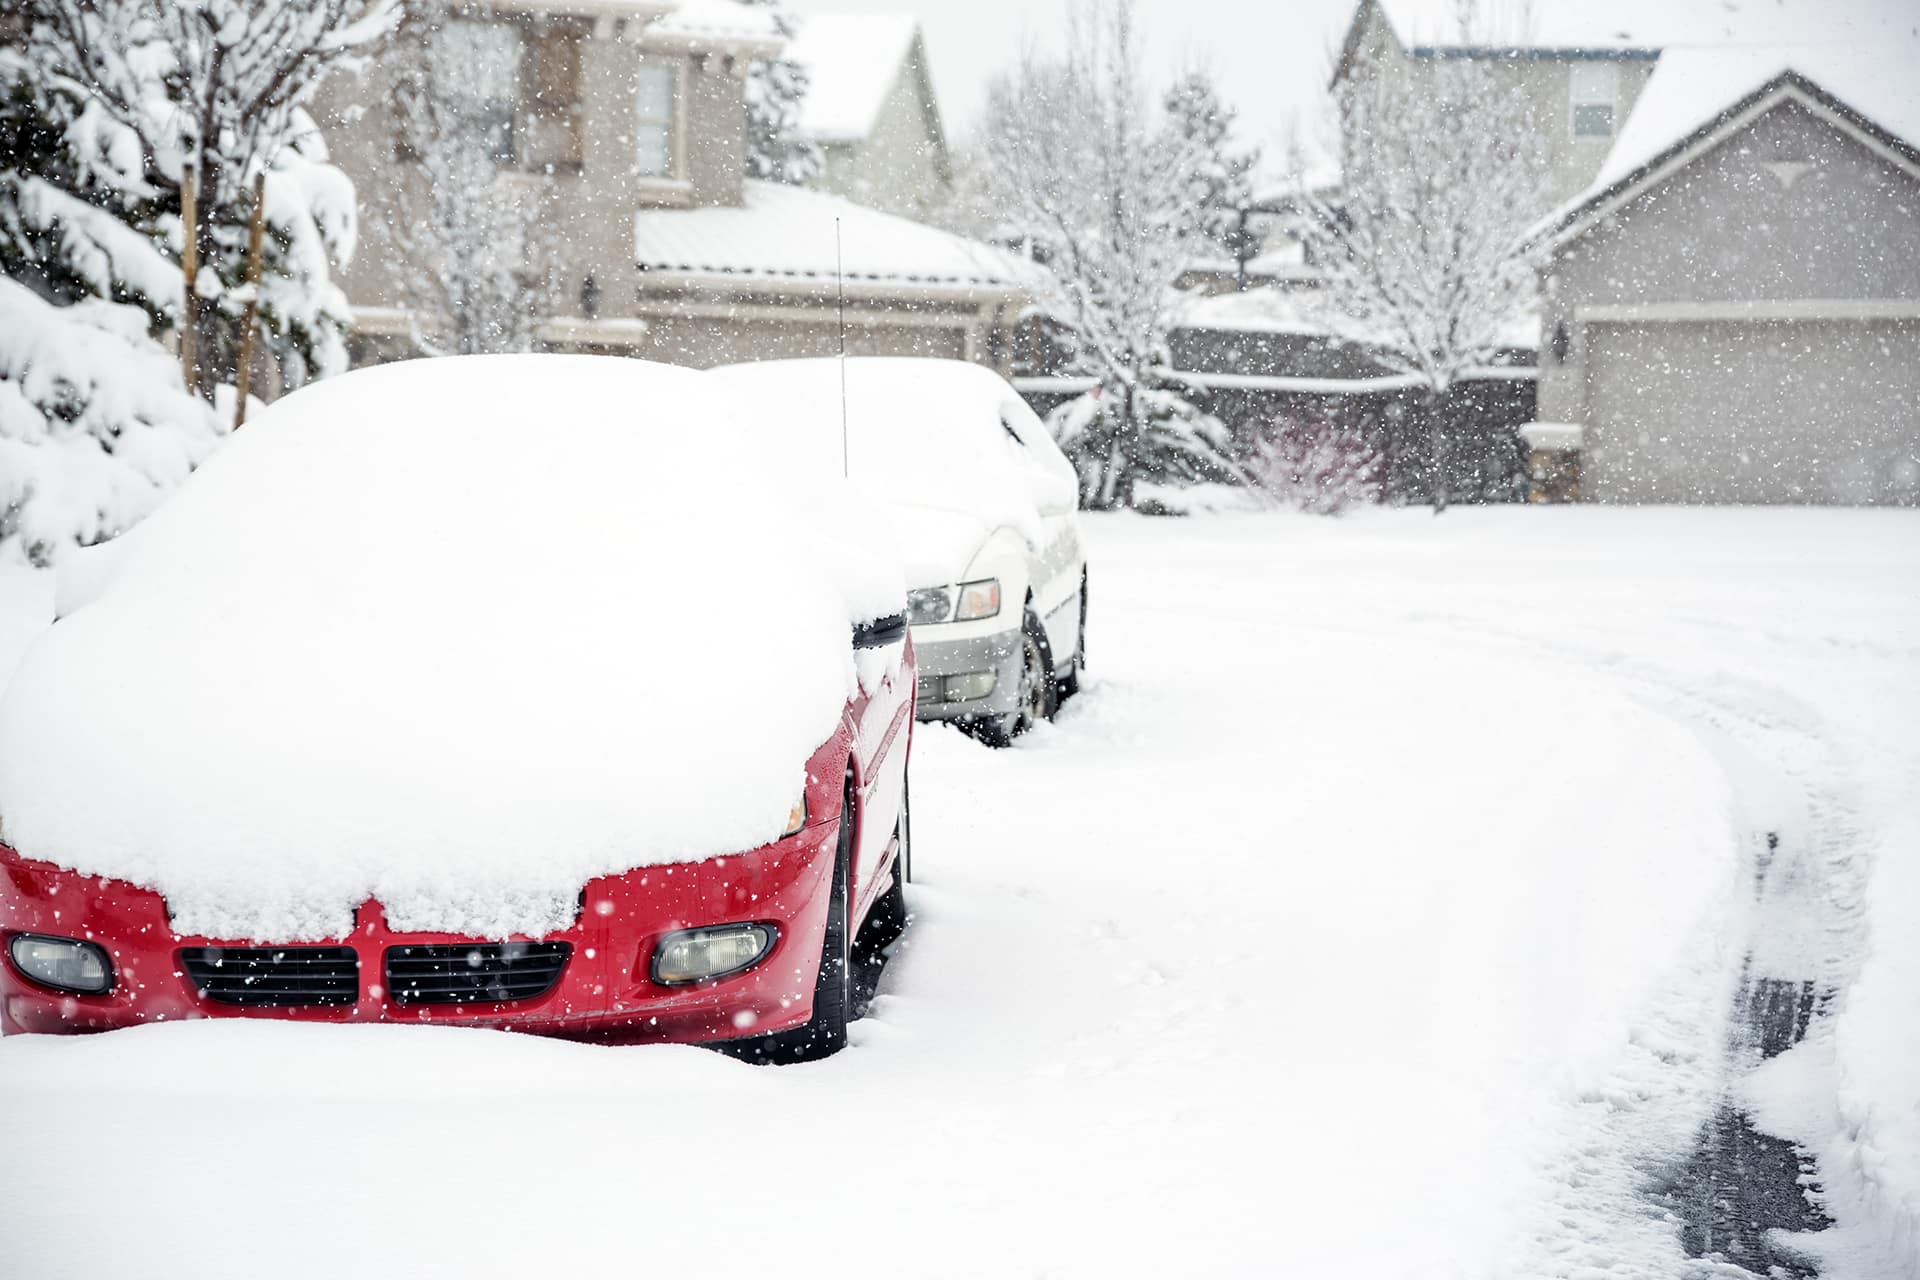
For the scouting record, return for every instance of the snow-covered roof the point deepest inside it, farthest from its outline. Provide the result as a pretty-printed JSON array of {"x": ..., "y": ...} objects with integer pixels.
[
  {"x": 785, "y": 234},
  {"x": 1251, "y": 311},
  {"x": 695, "y": 24},
  {"x": 1623, "y": 26},
  {"x": 1691, "y": 89},
  {"x": 853, "y": 61}
]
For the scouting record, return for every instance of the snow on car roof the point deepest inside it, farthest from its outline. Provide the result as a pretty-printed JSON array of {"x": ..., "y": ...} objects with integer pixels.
[
  {"x": 458, "y": 635},
  {"x": 783, "y": 233},
  {"x": 919, "y": 433},
  {"x": 853, "y": 61}
]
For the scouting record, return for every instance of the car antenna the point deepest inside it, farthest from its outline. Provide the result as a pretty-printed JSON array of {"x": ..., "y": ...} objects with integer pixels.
[{"x": 840, "y": 288}]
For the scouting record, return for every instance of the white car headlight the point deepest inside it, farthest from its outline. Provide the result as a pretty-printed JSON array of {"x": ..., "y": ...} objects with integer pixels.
[
  {"x": 978, "y": 600},
  {"x": 702, "y": 955},
  {"x": 929, "y": 604},
  {"x": 65, "y": 964}
]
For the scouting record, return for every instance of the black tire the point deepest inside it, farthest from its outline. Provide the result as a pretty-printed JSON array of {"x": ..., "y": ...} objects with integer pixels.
[
  {"x": 1069, "y": 682},
  {"x": 1038, "y": 698},
  {"x": 824, "y": 1034}
]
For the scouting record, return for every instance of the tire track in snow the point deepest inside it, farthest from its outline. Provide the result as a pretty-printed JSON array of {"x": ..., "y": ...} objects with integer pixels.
[{"x": 1801, "y": 937}]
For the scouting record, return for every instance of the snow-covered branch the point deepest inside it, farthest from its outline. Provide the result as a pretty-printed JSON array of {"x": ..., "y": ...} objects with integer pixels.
[{"x": 1100, "y": 189}]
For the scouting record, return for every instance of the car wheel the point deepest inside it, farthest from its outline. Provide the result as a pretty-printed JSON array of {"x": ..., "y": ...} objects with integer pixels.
[
  {"x": 1069, "y": 683},
  {"x": 1035, "y": 701},
  {"x": 825, "y": 1033}
]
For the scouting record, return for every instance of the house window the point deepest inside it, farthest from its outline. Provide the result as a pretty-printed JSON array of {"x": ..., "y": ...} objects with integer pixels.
[
  {"x": 552, "y": 123},
  {"x": 653, "y": 120},
  {"x": 1594, "y": 88},
  {"x": 481, "y": 61}
]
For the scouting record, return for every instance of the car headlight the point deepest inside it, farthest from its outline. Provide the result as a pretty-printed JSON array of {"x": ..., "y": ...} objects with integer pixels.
[
  {"x": 929, "y": 604},
  {"x": 796, "y": 817},
  {"x": 719, "y": 951},
  {"x": 978, "y": 600},
  {"x": 65, "y": 964}
]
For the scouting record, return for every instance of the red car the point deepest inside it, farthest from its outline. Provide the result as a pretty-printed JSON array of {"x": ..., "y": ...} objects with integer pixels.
[{"x": 125, "y": 860}]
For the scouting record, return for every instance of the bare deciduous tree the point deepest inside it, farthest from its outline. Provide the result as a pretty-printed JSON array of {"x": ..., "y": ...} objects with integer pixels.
[
  {"x": 1444, "y": 168},
  {"x": 470, "y": 247},
  {"x": 1096, "y": 182},
  {"x": 238, "y": 74}
]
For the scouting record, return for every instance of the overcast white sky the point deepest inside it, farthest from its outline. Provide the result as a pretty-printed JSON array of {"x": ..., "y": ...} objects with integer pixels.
[{"x": 1269, "y": 57}]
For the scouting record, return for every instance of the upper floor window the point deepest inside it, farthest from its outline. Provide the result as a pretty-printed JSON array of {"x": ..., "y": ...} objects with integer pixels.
[
  {"x": 483, "y": 64},
  {"x": 551, "y": 107},
  {"x": 653, "y": 120},
  {"x": 1594, "y": 88}
]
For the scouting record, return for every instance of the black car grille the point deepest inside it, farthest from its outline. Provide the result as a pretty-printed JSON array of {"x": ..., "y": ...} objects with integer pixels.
[
  {"x": 274, "y": 976},
  {"x": 474, "y": 973}
]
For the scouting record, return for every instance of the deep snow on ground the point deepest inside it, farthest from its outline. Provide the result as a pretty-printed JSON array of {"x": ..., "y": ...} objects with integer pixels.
[{"x": 1375, "y": 912}]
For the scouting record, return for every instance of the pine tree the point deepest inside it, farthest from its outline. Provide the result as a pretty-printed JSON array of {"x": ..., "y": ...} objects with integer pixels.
[
  {"x": 1220, "y": 187},
  {"x": 775, "y": 88},
  {"x": 217, "y": 88}
]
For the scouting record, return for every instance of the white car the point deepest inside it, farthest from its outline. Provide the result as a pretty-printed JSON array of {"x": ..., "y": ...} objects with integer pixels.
[{"x": 987, "y": 512}]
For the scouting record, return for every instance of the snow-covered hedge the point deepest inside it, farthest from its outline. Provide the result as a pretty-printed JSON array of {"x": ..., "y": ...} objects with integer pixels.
[{"x": 95, "y": 424}]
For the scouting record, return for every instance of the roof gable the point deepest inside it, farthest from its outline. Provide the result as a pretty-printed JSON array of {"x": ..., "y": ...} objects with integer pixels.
[
  {"x": 853, "y": 63},
  {"x": 1697, "y": 100}
]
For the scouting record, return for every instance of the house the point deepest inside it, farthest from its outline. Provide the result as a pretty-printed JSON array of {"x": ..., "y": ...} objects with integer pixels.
[
  {"x": 870, "y": 108},
  {"x": 1733, "y": 300},
  {"x": 625, "y": 121}
]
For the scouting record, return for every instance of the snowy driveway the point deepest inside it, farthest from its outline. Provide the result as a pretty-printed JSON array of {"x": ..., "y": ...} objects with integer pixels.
[{"x": 1377, "y": 912}]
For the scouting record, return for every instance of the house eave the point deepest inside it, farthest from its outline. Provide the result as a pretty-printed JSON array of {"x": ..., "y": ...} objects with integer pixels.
[{"x": 810, "y": 288}]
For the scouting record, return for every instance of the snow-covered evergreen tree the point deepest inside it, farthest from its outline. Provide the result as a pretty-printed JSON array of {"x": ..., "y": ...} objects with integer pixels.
[
  {"x": 219, "y": 87},
  {"x": 1097, "y": 186},
  {"x": 1221, "y": 185},
  {"x": 470, "y": 245},
  {"x": 774, "y": 90},
  {"x": 96, "y": 424}
]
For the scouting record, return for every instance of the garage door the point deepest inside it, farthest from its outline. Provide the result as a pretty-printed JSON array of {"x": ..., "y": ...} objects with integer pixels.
[{"x": 1823, "y": 411}]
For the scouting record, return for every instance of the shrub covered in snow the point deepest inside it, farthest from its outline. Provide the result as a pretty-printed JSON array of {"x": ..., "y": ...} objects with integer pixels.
[
  {"x": 95, "y": 425},
  {"x": 1316, "y": 466}
]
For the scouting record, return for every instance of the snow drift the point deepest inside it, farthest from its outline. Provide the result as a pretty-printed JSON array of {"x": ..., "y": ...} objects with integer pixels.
[{"x": 458, "y": 635}]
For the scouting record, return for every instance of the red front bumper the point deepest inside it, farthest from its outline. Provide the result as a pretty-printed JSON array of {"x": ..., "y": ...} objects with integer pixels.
[{"x": 605, "y": 991}]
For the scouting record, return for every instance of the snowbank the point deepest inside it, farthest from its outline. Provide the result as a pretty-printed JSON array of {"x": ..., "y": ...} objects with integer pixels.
[
  {"x": 458, "y": 635},
  {"x": 933, "y": 435}
]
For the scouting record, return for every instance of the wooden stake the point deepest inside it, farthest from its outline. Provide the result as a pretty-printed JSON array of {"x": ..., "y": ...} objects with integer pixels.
[
  {"x": 243, "y": 381},
  {"x": 189, "y": 268}
]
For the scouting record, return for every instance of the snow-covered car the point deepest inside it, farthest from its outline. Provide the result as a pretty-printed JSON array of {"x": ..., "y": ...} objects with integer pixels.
[
  {"x": 985, "y": 508},
  {"x": 435, "y": 696}
]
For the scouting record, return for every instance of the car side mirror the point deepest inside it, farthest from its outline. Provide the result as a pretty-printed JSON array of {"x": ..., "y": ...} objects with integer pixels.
[{"x": 878, "y": 633}]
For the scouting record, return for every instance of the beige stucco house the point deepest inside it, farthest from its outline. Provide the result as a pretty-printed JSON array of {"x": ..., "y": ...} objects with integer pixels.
[{"x": 626, "y": 122}]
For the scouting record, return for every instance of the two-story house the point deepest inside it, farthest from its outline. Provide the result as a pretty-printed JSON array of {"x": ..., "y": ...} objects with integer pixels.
[
  {"x": 627, "y": 118},
  {"x": 1731, "y": 309}
]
